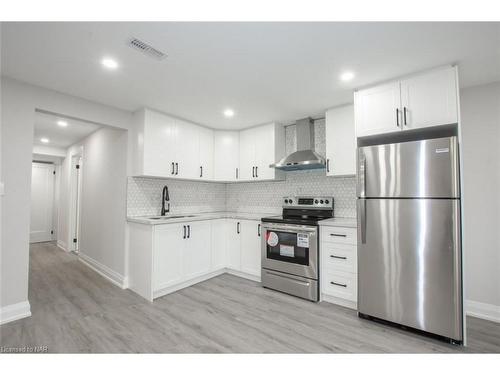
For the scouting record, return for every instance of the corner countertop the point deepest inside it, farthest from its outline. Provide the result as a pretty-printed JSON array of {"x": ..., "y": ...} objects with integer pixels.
[
  {"x": 182, "y": 218},
  {"x": 339, "y": 222}
]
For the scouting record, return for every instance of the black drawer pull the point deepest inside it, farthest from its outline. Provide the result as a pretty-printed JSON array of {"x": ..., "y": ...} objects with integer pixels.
[
  {"x": 338, "y": 284},
  {"x": 337, "y": 257},
  {"x": 338, "y": 235}
]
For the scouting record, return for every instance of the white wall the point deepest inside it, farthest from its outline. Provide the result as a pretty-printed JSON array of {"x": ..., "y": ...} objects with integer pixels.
[
  {"x": 19, "y": 102},
  {"x": 103, "y": 200},
  {"x": 480, "y": 109}
]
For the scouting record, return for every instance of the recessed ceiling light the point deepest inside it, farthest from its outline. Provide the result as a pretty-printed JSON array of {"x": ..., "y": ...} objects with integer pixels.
[
  {"x": 62, "y": 123},
  {"x": 44, "y": 140},
  {"x": 346, "y": 76},
  {"x": 228, "y": 112},
  {"x": 109, "y": 63}
]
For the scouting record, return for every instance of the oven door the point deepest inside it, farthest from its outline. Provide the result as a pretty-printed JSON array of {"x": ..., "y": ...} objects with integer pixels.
[{"x": 291, "y": 249}]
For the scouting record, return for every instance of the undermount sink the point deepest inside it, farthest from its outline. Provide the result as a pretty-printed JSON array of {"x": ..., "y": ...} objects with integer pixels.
[{"x": 169, "y": 217}]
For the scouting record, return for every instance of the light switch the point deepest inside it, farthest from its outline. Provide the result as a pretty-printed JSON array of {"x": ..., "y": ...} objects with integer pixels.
[{"x": 2, "y": 189}]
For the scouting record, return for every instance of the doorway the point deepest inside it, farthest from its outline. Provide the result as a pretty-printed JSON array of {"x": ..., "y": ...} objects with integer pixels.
[
  {"x": 75, "y": 203},
  {"x": 42, "y": 202}
]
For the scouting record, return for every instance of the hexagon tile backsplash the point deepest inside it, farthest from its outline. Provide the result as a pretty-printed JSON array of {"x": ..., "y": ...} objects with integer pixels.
[{"x": 144, "y": 194}]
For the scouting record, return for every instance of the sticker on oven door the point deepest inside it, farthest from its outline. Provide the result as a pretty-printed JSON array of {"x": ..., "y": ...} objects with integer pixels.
[
  {"x": 287, "y": 251},
  {"x": 302, "y": 240},
  {"x": 272, "y": 239}
]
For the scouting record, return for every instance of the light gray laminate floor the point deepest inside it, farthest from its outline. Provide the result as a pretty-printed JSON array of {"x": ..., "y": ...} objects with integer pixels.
[{"x": 76, "y": 310}]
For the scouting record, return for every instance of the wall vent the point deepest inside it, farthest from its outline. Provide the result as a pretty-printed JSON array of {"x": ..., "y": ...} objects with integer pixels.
[{"x": 146, "y": 49}]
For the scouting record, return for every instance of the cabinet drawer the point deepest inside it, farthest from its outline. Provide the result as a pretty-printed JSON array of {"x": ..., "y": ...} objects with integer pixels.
[
  {"x": 339, "y": 257},
  {"x": 340, "y": 284},
  {"x": 342, "y": 235}
]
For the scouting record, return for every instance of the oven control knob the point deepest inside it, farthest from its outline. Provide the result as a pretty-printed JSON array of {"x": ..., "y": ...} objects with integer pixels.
[
  {"x": 316, "y": 201},
  {"x": 290, "y": 201},
  {"x": 321, "y": 201},
  {"x": 286, "y": 200},
  {"x": 327, "y": 201}
]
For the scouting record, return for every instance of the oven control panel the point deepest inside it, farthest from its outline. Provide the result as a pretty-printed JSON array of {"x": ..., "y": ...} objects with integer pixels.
[{"x": 308, "y": 202}]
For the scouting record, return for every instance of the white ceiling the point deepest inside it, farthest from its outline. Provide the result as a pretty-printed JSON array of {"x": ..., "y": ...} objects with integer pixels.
[
  {"x": 46, "y": 126},
  {"x": 264, "y": 71}
]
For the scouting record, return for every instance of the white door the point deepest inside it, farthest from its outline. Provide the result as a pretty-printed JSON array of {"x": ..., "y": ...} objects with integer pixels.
[
  {"x": 226, "y": 155},
  {"x": 430, "y": 99},
  {"x": 219, "y": 231},
  {"x": 247, "y": 154},
  {"x": 160, "y": 145},
  {"x": 196, "y": 256},
  {"x": 377, "y": 109},
  {"x": 340, "y": 141},
  {"x": 42, "y": 202},
  {"x": 188, "y": 156},
  {"x": 233, "y": 244},
  {"x": 250, "y": 247},
  {"x": 264, "y": 152},
  {"x": 168, "y": 255},
  {"x": 206, "y": 153}
]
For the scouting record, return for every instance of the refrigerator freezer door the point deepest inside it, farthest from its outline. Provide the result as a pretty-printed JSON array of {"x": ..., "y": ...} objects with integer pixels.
[
  {"x": 418, "y": 169},
  {"x": 409, "y": 263}
]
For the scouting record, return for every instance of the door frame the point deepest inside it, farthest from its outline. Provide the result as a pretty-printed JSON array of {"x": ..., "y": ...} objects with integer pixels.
[
  {"x": 75, "y": 203},
  {"x": 51, "y": 195}
]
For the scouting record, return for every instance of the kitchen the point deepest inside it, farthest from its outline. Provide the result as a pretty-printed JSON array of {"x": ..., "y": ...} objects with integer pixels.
[{"x": 359, "y": 211}]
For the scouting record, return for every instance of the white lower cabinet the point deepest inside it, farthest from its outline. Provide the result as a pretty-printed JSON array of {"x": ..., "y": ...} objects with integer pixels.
[
  {"x": 339, "y": 265},
  {"x": 168, "y": 257}
]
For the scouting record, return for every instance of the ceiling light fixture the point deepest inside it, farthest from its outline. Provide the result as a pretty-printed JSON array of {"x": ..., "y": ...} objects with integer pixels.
[
  {"x": 62, "y": 123},
  {"x": 44, "y": 140},
  {"x": 228, "y": 112},
  {"x": 109, "y": 63},
  {"x": 346, "y": 76}
]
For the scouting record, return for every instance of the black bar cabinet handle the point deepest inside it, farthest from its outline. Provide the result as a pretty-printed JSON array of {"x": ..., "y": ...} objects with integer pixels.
[
  {"x": 184, "y": 236},
  {"x": 338, "y": 284},
  {"x": 201, "y": 171},
  {"x": 236, "y": 173},
  {"x": 404, "y": 115},
  {"x": 253, "y": 171},
  {"x": 189, "y": 231},
  {"x": 337, "y": 257},
  {"x": 397, "y": 116},
  {"x": 328, "y": 165},
  {"x": 173, "y": 167},
  {"x": 338, "y": 235},
  {"x": 238, "y": 227},
  {"x": 258, "y": 230},
  {"x": 257, "y": 172},
  {"x": 176, "y": 168}
]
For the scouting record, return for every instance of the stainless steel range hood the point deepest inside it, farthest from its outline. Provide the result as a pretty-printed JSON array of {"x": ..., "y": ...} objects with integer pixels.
[{"x": 305, "y": 157}]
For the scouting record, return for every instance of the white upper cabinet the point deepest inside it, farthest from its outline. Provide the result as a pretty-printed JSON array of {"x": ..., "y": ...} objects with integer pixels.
[
  {"x": 377, "y": 109},
  {"x": 428, "y": 99},
  {"x": 226, "y": 155},
  {"x": 187, "y": 161},
  {"x": 206, "y": 154},
  {"x": 340, "y": 141},
  {"x": 260, "y": 147}
]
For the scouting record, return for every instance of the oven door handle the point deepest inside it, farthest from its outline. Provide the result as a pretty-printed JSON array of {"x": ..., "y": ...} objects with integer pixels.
[
  {"x": 290, "y": 230},
  {"x": 305, "y": 283}
]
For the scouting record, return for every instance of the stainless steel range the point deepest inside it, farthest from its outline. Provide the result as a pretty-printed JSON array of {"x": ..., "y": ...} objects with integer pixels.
[{"x": 290, "y": 246}]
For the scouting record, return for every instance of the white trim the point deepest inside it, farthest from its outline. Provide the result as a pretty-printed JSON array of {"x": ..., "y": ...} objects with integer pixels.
[
  {"x": 339, "y": 301},
  {"x": 106, "y": 272},
  {"x": 243, "y": 275},
  {"x": 62, "y": 245},
  {"x": 184, "y": 284},
  {"x": 14, "y": 312},
  {"x": 483, "y": 310}
]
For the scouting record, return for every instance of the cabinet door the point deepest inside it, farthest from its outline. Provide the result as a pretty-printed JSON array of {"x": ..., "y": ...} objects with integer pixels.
[
  {"x": 160, "y": 144},
  {"x": 264, "y": 151},
  {"x": 430, "y": 99},
  {"x": 250, "y": 247},
  {"x": 188, "y": 156},
  {"x": 226, "y": 155},
  {"x": 219, "y": 233},
  {"x": 206, "y": 153},
  {"x": 340, "y": 142},
  {"x": 247, "y": 154},
  {"x": 167, "y": 255},
  {"x": 377, "y": 110},
  {"x": 196, "y": 256},
  {"x": 233, "y": 244}
]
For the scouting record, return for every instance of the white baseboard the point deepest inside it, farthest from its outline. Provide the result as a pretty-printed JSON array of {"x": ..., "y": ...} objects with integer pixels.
[
  {"x": 482, "y": 310},
  {"x": 339, "y": 301},
  {"x": 14, "y": 312},
  {"x": 62, "y": 245},
  {"x": 243, "y": 275},
  {"x": 104, "y": 271},
  {"x": 174, "y": 288}
]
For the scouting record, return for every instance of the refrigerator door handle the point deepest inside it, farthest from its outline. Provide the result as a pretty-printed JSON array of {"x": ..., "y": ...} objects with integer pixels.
[
  {"x": 362, "y": 175},
  {"x": 362, "y": 219}
]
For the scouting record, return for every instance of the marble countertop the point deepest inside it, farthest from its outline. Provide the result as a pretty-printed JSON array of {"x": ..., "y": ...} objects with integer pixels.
[
  {"x": 182, "y": 218},
  {"x": 339, "y": 222}
]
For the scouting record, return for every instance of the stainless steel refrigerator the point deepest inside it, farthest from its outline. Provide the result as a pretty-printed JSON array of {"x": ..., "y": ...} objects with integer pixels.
[{"x": 409, "y": 237}]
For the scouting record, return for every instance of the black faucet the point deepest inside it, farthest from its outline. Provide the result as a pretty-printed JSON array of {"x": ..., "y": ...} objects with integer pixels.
[{"x": 165, "y": 199}]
